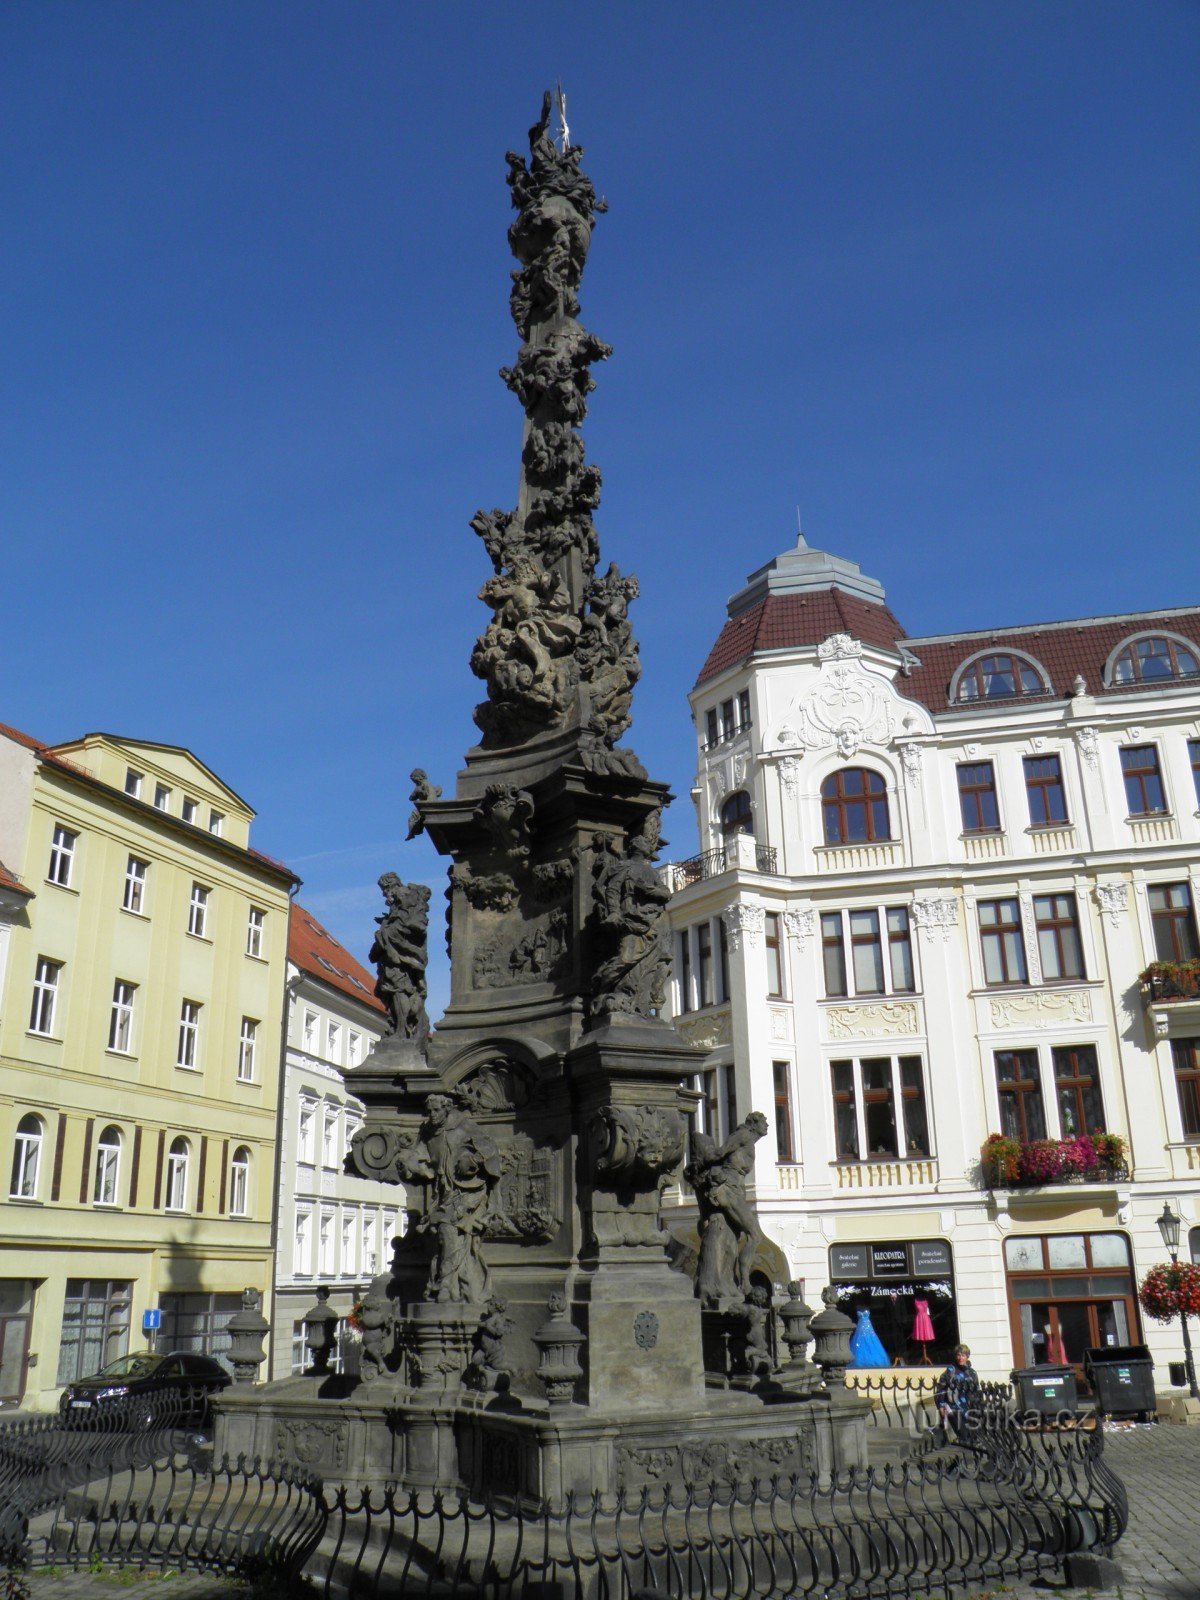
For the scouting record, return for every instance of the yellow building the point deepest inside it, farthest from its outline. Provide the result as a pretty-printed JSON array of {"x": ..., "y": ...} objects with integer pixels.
[{"x": 142, "y": 979}]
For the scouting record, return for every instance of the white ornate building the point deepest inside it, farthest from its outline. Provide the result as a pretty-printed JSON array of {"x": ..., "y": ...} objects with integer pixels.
[
  {"x": 332, "y": 1229},
  {"x": 932, "y": 873}
]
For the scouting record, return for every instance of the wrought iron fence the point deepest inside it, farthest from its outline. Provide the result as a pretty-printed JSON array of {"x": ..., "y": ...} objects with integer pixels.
[
  {"x": 1013, "y": 1498},
  {"x": 907, "y": 1405}
]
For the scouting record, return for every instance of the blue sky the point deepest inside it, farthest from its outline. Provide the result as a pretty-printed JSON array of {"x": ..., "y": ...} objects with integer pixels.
[{"x": 926, "y": 270}]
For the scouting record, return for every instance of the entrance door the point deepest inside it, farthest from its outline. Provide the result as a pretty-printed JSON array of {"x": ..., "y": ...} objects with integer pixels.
[
  {"x": 16, "y": 1307},
  {"x": 1056, "y": 1333}
]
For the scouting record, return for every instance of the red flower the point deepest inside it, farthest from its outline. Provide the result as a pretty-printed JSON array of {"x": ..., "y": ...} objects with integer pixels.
[{"x": 1168, "y": 1291}]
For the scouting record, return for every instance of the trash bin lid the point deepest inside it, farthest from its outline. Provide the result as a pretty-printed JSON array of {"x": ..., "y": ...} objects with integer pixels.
[{"x": 1101, "y": 1354}]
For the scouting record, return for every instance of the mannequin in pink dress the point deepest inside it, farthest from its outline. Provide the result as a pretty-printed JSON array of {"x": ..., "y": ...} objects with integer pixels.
[{"x": 922, "y": 1331}]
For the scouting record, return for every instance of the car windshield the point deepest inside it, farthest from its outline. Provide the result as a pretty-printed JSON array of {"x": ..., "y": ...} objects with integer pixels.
[{"x": 139, "y": 1366}]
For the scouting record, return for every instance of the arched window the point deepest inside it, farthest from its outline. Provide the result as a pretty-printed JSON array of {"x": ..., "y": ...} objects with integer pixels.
[
  {"x": 27, "y": 1158},
  {"x": 999, "y": 677},
  {"x": 1154, "y": 659},
  {"x": 108, "y": 1168},
  {"x": 855, "y": 807},
  {"x": 239, "y": 1182},
  {"x": 737, "y": 815},
  {"x": 177, "y": 1175}
]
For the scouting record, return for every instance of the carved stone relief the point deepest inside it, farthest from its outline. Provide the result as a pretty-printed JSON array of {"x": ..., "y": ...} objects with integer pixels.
[
  {"x": 881, "y": 1019},
  {"x": 1042, "y": 1010},
  {"x": 706, "y": 1033},
  {"x": 911, "y": 762},
  {"x": 1088, "y": 741},
  {"x": 802, "y": 925},
  {"x": 536, "y": 957},
  {"x": 789, "y": 774},
  {"x": 310, "y": 1442},
  {"x": 744, "y": 921},
  {"x": 1112, "y": 898},
  {"x": 935, "y": 914},
  {"x": 703, "y": 1461},
  {"x": 524, "y": 1203},
  {"x": 847, "y": 708},
  {"x": 781, "y": 1022},
  {"x": 839, "y": 647}
]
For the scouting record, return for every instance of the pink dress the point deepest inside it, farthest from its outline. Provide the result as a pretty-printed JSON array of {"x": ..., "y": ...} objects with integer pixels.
[{"x": 922, "y": 1322}]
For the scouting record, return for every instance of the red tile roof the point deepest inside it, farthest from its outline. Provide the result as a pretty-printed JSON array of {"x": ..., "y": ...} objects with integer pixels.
[
  {"x": 786, "y": 621},
  {"x": 318, "y": 953},
  {"x": 1065, "y": 650},
  {"x": 9, "y": 880}
]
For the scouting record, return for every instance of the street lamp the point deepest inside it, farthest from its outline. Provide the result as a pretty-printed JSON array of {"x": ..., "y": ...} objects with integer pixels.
[{"x": 1168, "y": 1227}]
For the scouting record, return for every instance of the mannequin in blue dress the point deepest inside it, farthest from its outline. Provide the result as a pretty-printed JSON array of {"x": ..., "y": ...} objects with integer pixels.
[{"x": 865, "y": 1347}]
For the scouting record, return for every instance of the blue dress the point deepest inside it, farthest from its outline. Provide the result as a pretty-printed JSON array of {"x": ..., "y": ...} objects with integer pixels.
[{"x": 865, "y": 1346}]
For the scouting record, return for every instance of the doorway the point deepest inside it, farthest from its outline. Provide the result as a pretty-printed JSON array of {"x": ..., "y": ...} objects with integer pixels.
[{"x": 16, "y": 1314}]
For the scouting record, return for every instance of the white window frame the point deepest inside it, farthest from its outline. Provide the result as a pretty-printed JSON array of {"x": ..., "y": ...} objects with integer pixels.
[
  {"x": 137, "y": 874},
  {"x": 329, "y": 1123},
  {"x": 239, "y": 1183},
  {"x": 27, "y": 1159},
  {"x": 326, "y": 1244},
  {"x": 349, "y": 1254},
  {"x": 188, "y": 1054},
  {"x": 45, "y": 996},
  {"x": 333, "y": 1040},
  {"x": 198, "y": 911},
  {"x": 107, "y": 1176},
  {"x": 62, "y": 856},
  {"x": 306, "y": 1133},
  {"x": 162, "y": 797},
  {"x": 133, "y": 783},
  {"x": 889, "y": 989},
  {"x": 175, "y": 1196},
  {"x": 256, "y": 923},
  {"x": 302, "y": 1242},
  {"x": 120, "y": 1022},
  {"x": 370, "y": 1247},
  {"x": 216, "y": 821},
  {"x": 860, "y": 1107},
  {"x": 353, "y": 1047},
  {"x": 247, "y": 1040},
  {"x": 190, "y": 809},
  {"x": 309, "y": 1031}
]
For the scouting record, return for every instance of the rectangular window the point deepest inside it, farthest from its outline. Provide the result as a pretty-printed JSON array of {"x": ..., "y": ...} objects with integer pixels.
[
  {"x": 329, "y": 1150},
  {"x": 1194, "y": 758},
  {"x": 307, "y": 1141},
  {"x": 1144, "y": 793},
  {"x": 879, "y": 1110},
  {"x": 162, "y": 797},
  {"x": 704, "y": 964},
  {"x": 1044, "y": 787},
  {"x": 1186, "y": 1055},
  {"x": 302, "y": 1248},
  {"x": 325, "y": 1245},
  {"x": 711, "y": 730},
  {"x": 1077, "y": 1085},
  {"x": 189, "y": 1034},
  {"x": 1058, "y": 937},
  {"x": 239, "y": 1185},
  {"x": 833, "y": 954},
  {"x": 198, "y": 1323},
  {"x": 216, "y": 821},
  {"x": 900, "y": 951},
  {"x": 255, "y": 926},
  {"x": 198, "y": 911},
  {"x": 45, "y": 995},
  {"x": 784, "y": 1143},
  {"x": 845, "y": 1111},
  {"x": 728, "y": 720},
  {"x": 108, "y": 1163},
  {"x": 133, "y": 783},
  {"x": 1019, "y": 1082},
  {"x": 370, "y": 1249},
  {"x": 348, "y": 1253},
  {"x": 134, "y": 897},
  {"x": 1174, "y": 924},
  {"x": 354, "y": 1047},
  {"x": 62, "y": 856},
  {"x": 977, "y": 798},
  {"x": 774, "y": 955},
  {"x": 866, "y": 952},
  {"x": 685, "y": 970},
  {"x": 246, "y": 1043},
  {"x": 912, "y": 1098},
  {"x": 744, "y": 709},
  {"x": 95, "y": 1327},
  {"x": 1003, "y": 946},
  {"x": 27, "y": 1157},
  {"x": 190, "y": 808},
  {"x": 333, "y": 1041},
  {"x": 120, "y": 1023},
  {"x": 723, "y": 953},
  {"x": 310, "y": 1030},
  {"x": 177, "y": 1177}
]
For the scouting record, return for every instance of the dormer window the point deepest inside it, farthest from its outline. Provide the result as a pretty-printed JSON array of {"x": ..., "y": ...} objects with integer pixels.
[
  {"x": 998, "y": 677},
  {"x": 1154, "y": 658}
]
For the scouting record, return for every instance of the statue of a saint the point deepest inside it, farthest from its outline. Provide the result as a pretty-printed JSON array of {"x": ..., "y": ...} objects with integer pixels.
[
  {"x": 729, "y": 1230},
  {"x": 462, "y": 1165},
  {"x": 399, "y": 954}
]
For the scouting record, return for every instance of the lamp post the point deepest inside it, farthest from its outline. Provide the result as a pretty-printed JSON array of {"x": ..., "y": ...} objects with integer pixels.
[{"x": 1168, "y": 1227}]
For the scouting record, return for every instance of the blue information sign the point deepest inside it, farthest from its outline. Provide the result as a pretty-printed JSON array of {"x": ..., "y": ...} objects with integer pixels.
[{"x": 151, "y": 1321}]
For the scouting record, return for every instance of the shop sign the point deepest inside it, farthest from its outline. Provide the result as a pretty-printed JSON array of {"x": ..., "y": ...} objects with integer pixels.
[
  {"x": 848, "y": 1261},
  {"x": 930, "y": 1257},
  {"x": 889, "y": 1261}
]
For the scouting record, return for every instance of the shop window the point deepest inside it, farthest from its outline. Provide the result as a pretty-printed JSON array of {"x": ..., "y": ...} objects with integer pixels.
[
  {"x": 1077, "y": 1086},
  {"x": 785, "y": 1145},
  {"x": 854, "y": 807},
  {"x": 879, "y": 1108},
  {"x": 1044, "y": 788},
  {"x": 1059, "y": 947},
  {"x": 907, "y": 1289},
  {"x": 95, "y": 1327},
  {"x": 1173, "y": 921},
  {"x": 1019, "y": 1082},
  {"x": 199, "y": 1323},
  {"x": 1186, "y": 1056},
  {"x": 977, "y": 798}
]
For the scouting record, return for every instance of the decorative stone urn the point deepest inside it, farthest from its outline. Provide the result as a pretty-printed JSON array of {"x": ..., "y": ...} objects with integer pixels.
[
  {"x": 558, "y": 1341},
  {"x": 831, "y": 1329},
  {"x": 320, "y": 1332},
  {"x": 795, "y": 1316},
  {"x": 247, "y": 1329}
]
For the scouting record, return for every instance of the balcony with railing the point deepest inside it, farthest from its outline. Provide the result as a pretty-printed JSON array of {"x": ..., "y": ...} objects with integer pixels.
[
  {"x": 1171, "y": 993},
  {"x": 742, "y": 852}
]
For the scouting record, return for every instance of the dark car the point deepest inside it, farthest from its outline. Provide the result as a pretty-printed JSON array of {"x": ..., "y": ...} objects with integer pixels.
[{"x": 145, "y": 1390}]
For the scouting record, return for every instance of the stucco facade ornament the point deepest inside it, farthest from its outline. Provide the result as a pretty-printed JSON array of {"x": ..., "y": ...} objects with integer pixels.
[
  {"x": 706, "y": 1033},
  {"x": 880, "y": 1020},
  {"x": 1041, "y": 1010},
  {"x": 1112, "y": 898},
  {"x": 781, "y": 1023},
  {"x": 912, "y": 759},
  {"x": 744, "y": 921},
  {"x": 846, "y": 708},
  {"x": 935, "y": 914},
  {"x": 789, "y": 774},
  {"x": 1088, "y": 741},
  {"x": 802, "y": 925},
  {"x": 972, "y": 751},
  {"x": 839, "y": 647}
]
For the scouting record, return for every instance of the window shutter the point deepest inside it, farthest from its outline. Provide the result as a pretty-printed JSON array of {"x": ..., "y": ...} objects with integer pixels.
[
  {"x": 60, "y": 1145},
  {"x": 87, "y": 1160},
  {"x": 134, "y": 1159},
  {"x": 158, "y": 1166}
]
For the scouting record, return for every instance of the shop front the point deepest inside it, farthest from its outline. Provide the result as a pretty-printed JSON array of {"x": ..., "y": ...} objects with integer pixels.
[
  {"x": 1067, "y": 1293},
  {"x": 901, "y": 1296}
]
